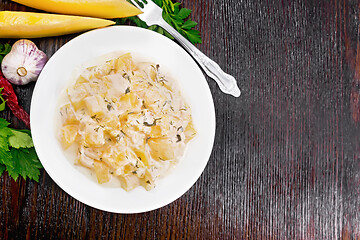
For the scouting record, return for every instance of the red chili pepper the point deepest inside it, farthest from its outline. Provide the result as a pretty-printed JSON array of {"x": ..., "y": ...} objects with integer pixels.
[{"x": 11, "y": 99}]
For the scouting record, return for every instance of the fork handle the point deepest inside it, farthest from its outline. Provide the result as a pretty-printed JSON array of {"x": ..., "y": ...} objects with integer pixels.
[{"x": 226, "y": 82}]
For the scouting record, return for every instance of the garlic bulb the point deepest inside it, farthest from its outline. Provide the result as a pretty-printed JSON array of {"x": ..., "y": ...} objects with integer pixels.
[{"x": 24, "y": 62}]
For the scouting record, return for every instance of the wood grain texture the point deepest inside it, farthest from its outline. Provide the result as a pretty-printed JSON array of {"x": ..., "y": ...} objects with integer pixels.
[{"x": 286, "y": 158}]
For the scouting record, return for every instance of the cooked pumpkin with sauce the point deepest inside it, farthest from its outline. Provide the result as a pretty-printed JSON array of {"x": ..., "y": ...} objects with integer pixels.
[{"x": 127, "y": 121}]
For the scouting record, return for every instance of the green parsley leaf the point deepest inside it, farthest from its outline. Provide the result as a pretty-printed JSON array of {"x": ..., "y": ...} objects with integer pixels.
[
  {"x": 26, "y": 164},
  {"x": 5, "y": 133},
  {"x": 2, "y": 105},
  {"x": 4, "y": 49},
  {"x": 3, "y": 123},
  {"x": 189, "y": 25},
  {"x": 194, "y": 35},
  {"x": 5, "y": 158},
  {"x": 20, "y": 139},
  {"x": 175, "y": 16},
  {"x": 184, "y": 13},
  {"x": 17, "y": 153}
]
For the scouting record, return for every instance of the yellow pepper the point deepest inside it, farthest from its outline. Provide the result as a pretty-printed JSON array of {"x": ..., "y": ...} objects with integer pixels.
[
  {"x": 33, "y": 25},
  {"x": 91, "y": 8}
]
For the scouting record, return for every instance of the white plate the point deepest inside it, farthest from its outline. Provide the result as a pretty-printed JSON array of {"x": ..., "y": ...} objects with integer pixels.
[{"x": 44, "y": 109}]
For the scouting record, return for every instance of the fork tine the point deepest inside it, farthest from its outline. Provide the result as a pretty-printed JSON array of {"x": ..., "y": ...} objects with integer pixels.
[{"x": 136, "y": 4}]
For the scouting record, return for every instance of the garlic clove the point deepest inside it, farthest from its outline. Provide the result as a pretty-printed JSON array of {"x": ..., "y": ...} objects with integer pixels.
[{"x": 24, "y": 62}]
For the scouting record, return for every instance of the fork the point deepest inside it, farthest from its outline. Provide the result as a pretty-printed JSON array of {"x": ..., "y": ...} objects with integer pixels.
[{"x": 152, "y": 15}]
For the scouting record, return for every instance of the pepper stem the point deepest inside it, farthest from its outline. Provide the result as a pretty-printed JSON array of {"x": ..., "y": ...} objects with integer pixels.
[{"x": 21, "y": 71}]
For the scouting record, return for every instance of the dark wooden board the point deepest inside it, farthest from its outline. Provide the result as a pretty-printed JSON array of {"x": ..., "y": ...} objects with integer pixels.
[{"x": 286, "y": 158}]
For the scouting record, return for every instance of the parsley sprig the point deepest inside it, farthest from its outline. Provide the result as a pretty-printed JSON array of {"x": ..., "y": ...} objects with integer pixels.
[
  {"x": 176, "y": 16},
  {"x": 17, "y": 153}
]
